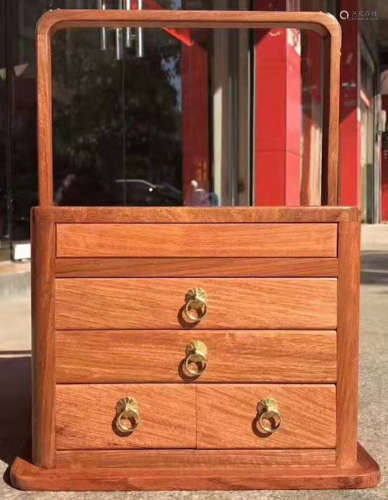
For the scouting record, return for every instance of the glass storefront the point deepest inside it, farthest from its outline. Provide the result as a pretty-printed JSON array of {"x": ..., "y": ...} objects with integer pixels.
[
  {"x": 147, "y": 118},
  {"x": 155, "y": 129}
]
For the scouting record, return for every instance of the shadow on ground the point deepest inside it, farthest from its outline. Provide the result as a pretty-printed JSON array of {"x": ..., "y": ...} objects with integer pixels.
[
  {"x": 15, "y": 404},
  {"x": 374, "y": 269}
]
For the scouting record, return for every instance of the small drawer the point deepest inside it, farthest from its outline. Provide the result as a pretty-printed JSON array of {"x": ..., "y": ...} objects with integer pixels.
[
  {"x": 230, "y": 303},
  {"x": 87, "y": 416},
  {"x": 229, "y": 416},
  {"x": 197, "y": 240},
  {"x": 175, "y": 356}
]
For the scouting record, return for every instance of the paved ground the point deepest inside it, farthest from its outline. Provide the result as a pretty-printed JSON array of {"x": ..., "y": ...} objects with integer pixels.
[{"x": 15, "y": 384}]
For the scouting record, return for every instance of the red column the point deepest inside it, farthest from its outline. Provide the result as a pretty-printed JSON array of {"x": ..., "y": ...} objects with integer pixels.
[
  {"x": 350, "y": 131},
  {"x": 195, "y": 122},
  {"x": 278, "y": 113}
]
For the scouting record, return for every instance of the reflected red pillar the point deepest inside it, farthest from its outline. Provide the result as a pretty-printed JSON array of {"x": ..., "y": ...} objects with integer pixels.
[
  {"x": 350, "y": 130},
  {"x": 278, "y": 113},
  {"x": 195, "y": 102}
]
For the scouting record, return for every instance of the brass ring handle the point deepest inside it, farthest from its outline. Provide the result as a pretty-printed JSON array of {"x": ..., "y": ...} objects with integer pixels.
[
  {"x": 127, "y": 408},
  {"x": 268, "y": 411},
  {"x": 196, "y": 354},
  {"x": 196, "y": 299}
]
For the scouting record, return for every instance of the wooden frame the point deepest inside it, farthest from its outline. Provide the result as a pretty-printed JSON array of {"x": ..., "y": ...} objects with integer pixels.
[
  {"x": 345, "y": 466},
  {"x": 324, "y": 24},
  {"x": 187, "y": 475}
]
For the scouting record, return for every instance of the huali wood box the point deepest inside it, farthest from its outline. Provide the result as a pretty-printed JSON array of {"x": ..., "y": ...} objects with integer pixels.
[{"x": 224, "y": 360}]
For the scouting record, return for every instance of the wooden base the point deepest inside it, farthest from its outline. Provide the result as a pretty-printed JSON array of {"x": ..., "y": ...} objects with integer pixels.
[{"x": 364, "y": 474}]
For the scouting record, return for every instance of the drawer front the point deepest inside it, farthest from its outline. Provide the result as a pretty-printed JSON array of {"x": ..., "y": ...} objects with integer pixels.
[
  {"x": 228, "y": 417},
  {"x": 246, "y": 303},
  {"x": 197, "y": 240},
  {"x": 159, "y": 356},
  {"x": 86, "y": 416}
]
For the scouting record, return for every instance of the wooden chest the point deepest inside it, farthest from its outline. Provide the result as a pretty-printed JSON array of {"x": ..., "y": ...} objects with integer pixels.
[{"x": 193, "y": 348}]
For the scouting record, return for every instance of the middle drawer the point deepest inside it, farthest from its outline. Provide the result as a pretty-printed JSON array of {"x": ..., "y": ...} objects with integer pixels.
[
  {"x": 227, "y": 356},
  {"x": 232, "y": 303}
]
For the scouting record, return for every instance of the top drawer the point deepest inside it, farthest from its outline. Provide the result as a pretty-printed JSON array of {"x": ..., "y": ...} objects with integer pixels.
[{"x": 197, "y": 240}]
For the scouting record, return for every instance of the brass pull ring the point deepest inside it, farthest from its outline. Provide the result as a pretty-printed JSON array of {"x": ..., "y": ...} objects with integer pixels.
[
  {"x": 127, "y": 409},
  {"x": 196, "y": 300},
  {"x": 268, "y": 411},
  {"x": 196, "y": 354}
]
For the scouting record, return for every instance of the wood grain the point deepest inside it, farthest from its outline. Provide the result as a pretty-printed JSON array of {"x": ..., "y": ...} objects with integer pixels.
[
  {"x": 330, "y": 136},
  {"x": 227, "y": 416},
  {"x": 261, "y": 303},
  {"x": 195, "y": 267},
  {"x": 348, "y": 342},
  {"x": 53, "y": 21},
  {"x": 157, "y": 355},
  {"x": 325, "y": 127},
  {"x": 197, "y": 240},
  {"x": 159, "y": 215},
  {"x": 364, "y": 474},
  {"x": 85, "y": 415},
  {"x": 45, "y": 113},
  {"x": 43, "y": 340},
  {"x": 75, "y": 459},
  {"x": 323, "y": 24}
]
